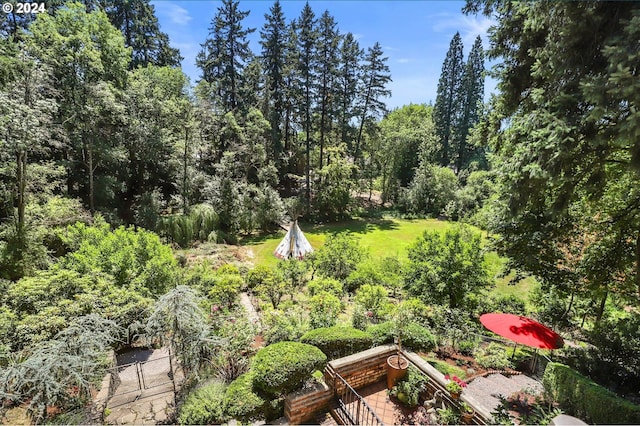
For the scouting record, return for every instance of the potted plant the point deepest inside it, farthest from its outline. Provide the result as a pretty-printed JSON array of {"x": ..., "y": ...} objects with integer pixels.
[
  {"x": 467, "y": 412},
  {"x": 408, "y": 389},
  {"x": 448, "y": 416},
  {"x": 397, "y": 364},
  {"x": 455, "y": 386}
]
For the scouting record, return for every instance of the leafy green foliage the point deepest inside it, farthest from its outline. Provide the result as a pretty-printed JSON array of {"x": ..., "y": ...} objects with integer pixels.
[
  {"x": 198, "y": 225},
  {"x": 372, "y": 299},
  {"x": 71, "y": 360},
  {"x": 339, "y": 341},
  {"x": 408, "y": 389},
  {"x": 324, "y": 309},
  {"x": 492, "y": 355},
  {"x": 284, "y": 325},
  {"x": 328, "y": 285},
  {"x": 283, "y": 367},
  {"x": 333, "y": 200},
  {"x": 226, "y": 287},
  {"x": 446, "y": 267},
  {"x": 241, "y": 400},
  {"x": 339, "y": 256},
  {"x": 432, "y": 191},
  {"x": 231, "y": 359},
  {"x": 178, "y": 322},
  {"x": 585, "y": 399},
  {"x": 134, "y": 258},
  {"x": 204, "y": 406}
]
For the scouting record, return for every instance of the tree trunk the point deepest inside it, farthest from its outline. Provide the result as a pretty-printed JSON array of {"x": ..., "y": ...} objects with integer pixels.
[
  {"x": 638, "y": 262},
  {"x": 21, "y": 181},
  {"x": 601, "y": 307},
  {"x": 91, "y": 170},
  {"x": 185, "y": 159}
]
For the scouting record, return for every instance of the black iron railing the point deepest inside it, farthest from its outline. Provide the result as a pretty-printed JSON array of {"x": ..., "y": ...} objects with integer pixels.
[{"x": 352, "y": 408}]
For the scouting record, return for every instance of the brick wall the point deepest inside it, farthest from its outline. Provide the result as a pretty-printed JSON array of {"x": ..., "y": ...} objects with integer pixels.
[
  {"x": 361, "y": 369},
  {"x": 301, "y": 406}
]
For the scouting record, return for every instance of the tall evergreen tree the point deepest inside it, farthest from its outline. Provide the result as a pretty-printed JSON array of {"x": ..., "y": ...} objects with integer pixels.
[
  {"x": 375, "y": 77},
  {"x": 307, "y": 36},
  {"x": 349, "y": 74},
  {"x": 273, "y": 40},
  {"x": 472, "y": 91},
  {"x": 141, "y": 30},
  {"x": 225, "y": 53},
  {"x": 447, "y": 106},
  {"x": 327, "y": 49}
]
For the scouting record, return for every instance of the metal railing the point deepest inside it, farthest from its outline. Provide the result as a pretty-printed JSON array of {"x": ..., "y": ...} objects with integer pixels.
[{"x": 352, "y": 408}]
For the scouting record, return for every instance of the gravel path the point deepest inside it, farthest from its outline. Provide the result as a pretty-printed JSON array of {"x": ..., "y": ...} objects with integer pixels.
[
  {"x": 245, "y": 301},
  {"x": 486, "y": 390}
]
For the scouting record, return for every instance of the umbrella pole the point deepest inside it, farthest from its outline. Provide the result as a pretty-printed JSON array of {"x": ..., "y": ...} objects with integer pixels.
[{"x": 514, "y": 351}]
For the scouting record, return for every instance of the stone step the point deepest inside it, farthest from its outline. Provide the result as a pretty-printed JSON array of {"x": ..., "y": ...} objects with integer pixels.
[
  {"x": 528, "y": 384},
  {"x": 504, "y": 386}
]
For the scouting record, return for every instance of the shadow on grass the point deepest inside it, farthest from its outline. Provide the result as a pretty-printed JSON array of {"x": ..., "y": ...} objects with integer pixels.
[{"x": 355, "y": 226}]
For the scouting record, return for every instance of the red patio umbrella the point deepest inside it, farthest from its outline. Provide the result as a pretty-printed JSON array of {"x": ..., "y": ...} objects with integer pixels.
[{"x": 522, "y": 330}]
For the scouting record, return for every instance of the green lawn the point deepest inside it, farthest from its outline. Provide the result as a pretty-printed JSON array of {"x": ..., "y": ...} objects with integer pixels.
[{"x": 381, "y": 237}]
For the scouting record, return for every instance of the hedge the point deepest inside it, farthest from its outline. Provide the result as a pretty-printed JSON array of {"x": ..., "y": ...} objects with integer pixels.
[
  {"x": 583, "y": 398},
  {"x": 283, "y": 367},
  {"x": 241, "y": 402},
  {"x": 204, "y": 406},
  {"x": 338, "y": 341},
  {"x": 415, "y": 336}
]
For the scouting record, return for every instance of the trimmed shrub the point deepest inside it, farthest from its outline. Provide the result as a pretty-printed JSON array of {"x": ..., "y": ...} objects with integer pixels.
[
  {"x": 328, "y": 285},
  {"x": 338, "y": 341},
  {"x": 492, "y": 356},
  {"x": 382, "y": 333},
  {"x": 418, "y": 338},
  {"x": 242, "y": 402},
  {"x": 415, "y": 336},
  {"x": 283, "y": 367},
  {"x": 584, "y": 398},
  {"x": 204, "y": 406}
]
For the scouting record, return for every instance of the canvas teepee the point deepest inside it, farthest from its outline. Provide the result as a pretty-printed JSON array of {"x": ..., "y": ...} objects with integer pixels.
[{"x": 294, "y": 244}]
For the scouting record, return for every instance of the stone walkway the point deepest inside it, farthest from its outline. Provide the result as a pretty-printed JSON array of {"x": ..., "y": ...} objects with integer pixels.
[
  {"x": 245, "y": 301},
  {"x": 145, "y": 395},
  {"x": 486, "y": 390}
]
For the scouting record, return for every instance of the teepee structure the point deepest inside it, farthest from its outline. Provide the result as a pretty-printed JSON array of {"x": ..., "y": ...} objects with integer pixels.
[{"x": 294, "y": 244}]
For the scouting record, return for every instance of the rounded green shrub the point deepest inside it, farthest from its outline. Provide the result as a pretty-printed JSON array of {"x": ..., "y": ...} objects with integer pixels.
[
  {"x": 338, "y": 341},
  {"x": 204, "y": 406},
  {"x": 284, "y": 366},
  {"x": 492, "y": 356},
  {"x": 418, "y": 338},
  {"x": 414, "y": 336},
  {"x": 242, "y": 402},
  {"x": 382, "y": 333}
]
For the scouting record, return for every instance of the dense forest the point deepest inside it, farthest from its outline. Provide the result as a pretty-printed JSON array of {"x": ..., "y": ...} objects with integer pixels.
[{"x": 110, "y": 158}]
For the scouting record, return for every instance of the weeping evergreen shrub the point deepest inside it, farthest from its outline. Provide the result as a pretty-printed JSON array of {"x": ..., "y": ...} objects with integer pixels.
[{"x": 199, "y": 225}]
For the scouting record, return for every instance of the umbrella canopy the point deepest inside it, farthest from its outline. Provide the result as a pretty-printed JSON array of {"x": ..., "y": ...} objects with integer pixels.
[{"x": 522, "y": 330}]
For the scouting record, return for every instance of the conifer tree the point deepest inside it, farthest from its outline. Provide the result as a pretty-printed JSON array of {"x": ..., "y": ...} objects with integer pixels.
[
  {"x": 273, "y": 41},
  {"x": 349, "y": 74},
  {"x": 375, "y": 77},
  {"x": 327, "y": 48},
  {"x": 472, "y": 91},
  {"x": 307, "y": 36},
  {"x": 447, "y": 106},
  {"x": 139, "y": 25},
  {"x": 225, "y": 53}
]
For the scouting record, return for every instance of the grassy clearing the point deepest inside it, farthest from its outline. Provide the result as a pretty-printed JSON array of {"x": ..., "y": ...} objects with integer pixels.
[
  {"x": 445, "y": 368},
  {"x": 382, "y": 237}
]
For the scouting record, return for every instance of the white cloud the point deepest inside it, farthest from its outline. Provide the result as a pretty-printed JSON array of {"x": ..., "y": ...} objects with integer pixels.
[
  {"x": 403, "y": 60},
  {"x": 176, "y": 14},
  {"x": 469, "y": 27}
]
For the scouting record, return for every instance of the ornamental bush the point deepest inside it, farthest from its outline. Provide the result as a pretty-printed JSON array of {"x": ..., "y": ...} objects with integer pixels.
[
  {"x": 492, "y": 356},
  {"x": 415, "y": 336},
  {"x": 283, "y": 367},
  {"x": 204, "y": 406},
  {"x": 241, "y": 402},
  {"x": 583, "y": 398},
  {"x": 338, "y": 341}
]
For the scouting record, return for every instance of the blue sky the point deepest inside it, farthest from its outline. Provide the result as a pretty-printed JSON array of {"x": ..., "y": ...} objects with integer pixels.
[{"x": 415, "y": 35}]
